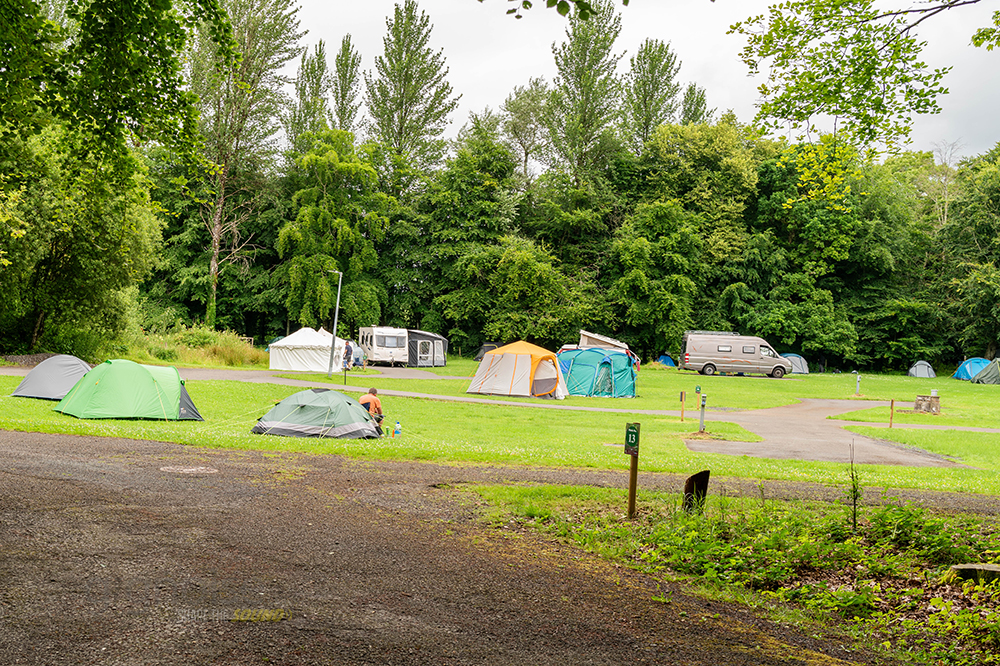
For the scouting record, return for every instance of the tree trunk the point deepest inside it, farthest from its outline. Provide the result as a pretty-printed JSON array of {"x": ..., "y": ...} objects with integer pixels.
[
  {"x": 215, "y": 231},
  {"x": 37, "y": 333}
]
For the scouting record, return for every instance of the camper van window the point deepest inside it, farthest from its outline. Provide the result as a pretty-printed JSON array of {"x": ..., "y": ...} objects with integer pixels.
[
  {"x": 748, "y": 349},
  {"x": 380, "y": 341},
  {"x": 725, "y": 348},
  {"x": 766, "y": 351}
]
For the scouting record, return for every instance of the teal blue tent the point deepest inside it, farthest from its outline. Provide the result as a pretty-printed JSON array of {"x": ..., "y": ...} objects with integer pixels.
[
  {"x": 598, "y": 372},
  {"x": 970, "y": 368}
]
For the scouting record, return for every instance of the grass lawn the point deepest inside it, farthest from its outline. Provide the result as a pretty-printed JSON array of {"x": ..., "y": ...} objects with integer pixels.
[
  {"x": 474, "y": 433},
  {"x": 659, "y": 388}
]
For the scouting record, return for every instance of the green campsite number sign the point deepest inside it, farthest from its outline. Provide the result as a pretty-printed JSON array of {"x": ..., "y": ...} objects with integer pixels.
[{"x": 632, "y": 439}]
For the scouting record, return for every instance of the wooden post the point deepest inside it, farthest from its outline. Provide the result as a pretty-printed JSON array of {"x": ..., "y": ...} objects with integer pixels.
[
  {"x": 695, "y": 492},
  {"x": 633, "y": 481},
  {"x": 682, "y": 406},
  {"x": 892, "y": 410},
  {"x": 632, "y": 449}
]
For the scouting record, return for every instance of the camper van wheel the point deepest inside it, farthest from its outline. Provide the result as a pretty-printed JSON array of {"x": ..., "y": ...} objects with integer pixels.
[
  {"x": 778, "y": 372},
  {"x": 709, "y": 369}
]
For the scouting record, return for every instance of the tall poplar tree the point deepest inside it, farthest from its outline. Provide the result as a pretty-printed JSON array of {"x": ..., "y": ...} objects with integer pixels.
[
  {"x": 586, "y": 92},
  {"x": 346, "y": 85},
  {"x": 408, "y": 96},
  {"x": 239, "y": 110},
  {"x": 523, "y": 122},
  {"x": 309, "y": 111},
  {"x": 651, "y": 90}
]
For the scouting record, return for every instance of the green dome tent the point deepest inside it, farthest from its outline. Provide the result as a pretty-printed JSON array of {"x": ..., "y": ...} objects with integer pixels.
[
  {"x": 121, "y": 389},
  {"x": 598, "y": 372},
  {"x": 317, "y": 413},
  {"x": 988, "y": 375}
]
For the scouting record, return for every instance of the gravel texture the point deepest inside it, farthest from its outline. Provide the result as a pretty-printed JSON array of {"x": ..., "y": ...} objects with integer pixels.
[{"x": 132, "y": 552}]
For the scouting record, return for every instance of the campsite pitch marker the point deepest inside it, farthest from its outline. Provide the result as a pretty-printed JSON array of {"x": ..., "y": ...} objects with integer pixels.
[
  {"x": 632, "y": 449},
  {"x": 682, "y": 406},
  {"x": 701, "y": 425}
]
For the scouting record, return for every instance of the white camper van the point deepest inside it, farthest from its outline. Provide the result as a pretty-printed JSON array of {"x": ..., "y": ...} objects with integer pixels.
[
  {"x": 709, "y": 352},
  {"x": 383, "y": 344}
]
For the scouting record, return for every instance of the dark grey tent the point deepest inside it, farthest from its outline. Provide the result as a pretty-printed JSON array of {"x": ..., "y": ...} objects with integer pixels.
[
  {"x": 52, "y": 378},
  {"x": 921, "y": 369},
  {"x": 989, "y": 375},
  {"x": 425, "y": 349},
  {"x": 488, "y": 347},
  {"x": 317, "y": 413}
]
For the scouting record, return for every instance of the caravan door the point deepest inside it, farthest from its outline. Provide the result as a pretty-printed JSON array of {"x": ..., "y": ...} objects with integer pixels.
[
  {"x": 424, "y": 353},
  {"x": 439, "y": 358}
]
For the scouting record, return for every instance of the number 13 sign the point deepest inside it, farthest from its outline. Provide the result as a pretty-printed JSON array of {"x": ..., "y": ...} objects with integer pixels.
[{"x": 632, "y": 439}]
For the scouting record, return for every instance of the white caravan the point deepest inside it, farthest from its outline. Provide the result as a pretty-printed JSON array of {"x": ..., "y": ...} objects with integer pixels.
[{"x": 383, "y": 344}]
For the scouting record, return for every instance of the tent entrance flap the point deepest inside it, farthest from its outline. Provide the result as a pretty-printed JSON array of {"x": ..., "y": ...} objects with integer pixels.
[{"x": 546, "y": 379}]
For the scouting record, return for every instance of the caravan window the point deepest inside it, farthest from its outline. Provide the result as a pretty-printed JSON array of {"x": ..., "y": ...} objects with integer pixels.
[
  {"x": 390, "y": 342},
  {"x": 380, "y": 341},
  {"x": 725, "y": 348},
  {"x": 748, "y": 349}
]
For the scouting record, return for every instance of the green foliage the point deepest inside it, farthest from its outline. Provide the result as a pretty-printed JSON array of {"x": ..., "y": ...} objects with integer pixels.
[
  {"x": 794, "y": 553},
  {"x": 409, "y": 98},
  {"x": 583, "y": 104},
  {"x": 340, "y": 217},
  {"x": 117, "y": 75},
  {"x": 346, "y": 85},
  {"x": 854, "y": 61},
  {"x": 694, "y": 106},
  {"x": 651, "y": 90},
  {"x": 79, "y": 233},
  {"x": 308, "y": 111}
]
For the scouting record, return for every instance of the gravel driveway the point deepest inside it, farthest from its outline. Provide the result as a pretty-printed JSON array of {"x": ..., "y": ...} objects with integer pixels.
[{"x": 133, "y": 552}]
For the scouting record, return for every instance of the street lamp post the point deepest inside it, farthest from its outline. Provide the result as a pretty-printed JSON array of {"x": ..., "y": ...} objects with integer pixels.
[{"x": 336, "y": 314}]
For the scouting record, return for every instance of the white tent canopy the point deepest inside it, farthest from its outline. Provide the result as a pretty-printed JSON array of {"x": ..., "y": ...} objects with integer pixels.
[{"x": 306, "y": 350}]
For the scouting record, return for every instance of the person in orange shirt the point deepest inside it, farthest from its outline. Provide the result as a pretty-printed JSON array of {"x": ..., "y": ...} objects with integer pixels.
[{"x": 371, "y": 402}]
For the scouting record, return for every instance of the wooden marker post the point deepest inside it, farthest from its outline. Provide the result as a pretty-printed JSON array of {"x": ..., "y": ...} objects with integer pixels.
[
  {"x": 682, "y": 406},
  {"x": 632, "y": 449},
  {"x": 892, "y": 410}
]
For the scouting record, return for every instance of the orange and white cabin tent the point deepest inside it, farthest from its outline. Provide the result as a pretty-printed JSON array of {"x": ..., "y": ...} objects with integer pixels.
[{"x": 519, "y": 369}]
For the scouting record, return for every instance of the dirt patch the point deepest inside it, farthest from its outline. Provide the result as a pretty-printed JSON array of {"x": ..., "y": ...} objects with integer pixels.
[{"x": 107, "y": 559}]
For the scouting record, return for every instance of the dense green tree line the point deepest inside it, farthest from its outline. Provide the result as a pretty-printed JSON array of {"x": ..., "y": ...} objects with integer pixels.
[{"x": 611, "y": 198}]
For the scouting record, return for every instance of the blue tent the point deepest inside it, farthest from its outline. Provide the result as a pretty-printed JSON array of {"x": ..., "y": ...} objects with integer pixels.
[
  {"x": 970, "y": 368},
  {"x": 598, "y": 372},
  {"x": 667, "y": 361}
]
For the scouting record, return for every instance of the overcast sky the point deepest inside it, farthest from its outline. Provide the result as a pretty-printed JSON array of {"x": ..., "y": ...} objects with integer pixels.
[{"x": 488, "y": 53}]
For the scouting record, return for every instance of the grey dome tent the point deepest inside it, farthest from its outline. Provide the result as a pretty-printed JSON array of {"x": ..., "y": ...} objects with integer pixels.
[
  {"x": 317, "y": 413},
  {"x": 487, "y": 347},
  {"x": 799, "y": 365},
  {"x": 988, "y": 375},
  {"x": 921, "y": 369},
  {"x": 53, "y": 378}
]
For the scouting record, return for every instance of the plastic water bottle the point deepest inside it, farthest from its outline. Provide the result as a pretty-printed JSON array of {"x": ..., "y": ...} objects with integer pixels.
[{"x": 398, "y": 430}]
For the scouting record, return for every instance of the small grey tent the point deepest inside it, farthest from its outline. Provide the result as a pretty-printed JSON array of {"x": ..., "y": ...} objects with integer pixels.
[
  {"x": 921, "y": 369},
  {"x": 426, "y": 349},
  {"x": 799, "y": 364},
  {"x": 487, "y": 347},
  {"x": 988, "y": 375},
  {"x": 53, "y": 378}
]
